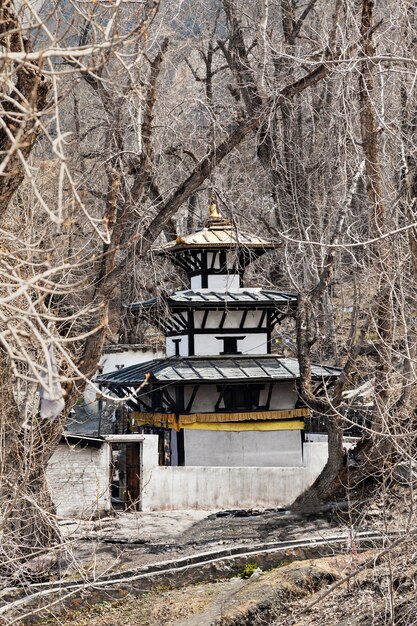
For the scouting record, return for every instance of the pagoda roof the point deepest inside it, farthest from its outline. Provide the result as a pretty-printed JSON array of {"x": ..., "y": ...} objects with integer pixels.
[
  {"x": 218, "y": 238},
  {"x": 208, "y": 298},
  {"x": 213, "y": 369},
  {"x": 218, "y": 234}
]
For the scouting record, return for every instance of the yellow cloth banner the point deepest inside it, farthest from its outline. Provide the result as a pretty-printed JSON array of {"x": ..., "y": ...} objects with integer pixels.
[
  {"x": 243, "y": 417},
  {"x": 168, "y": 420},
  {"x": 220, "y": 421},
  {"x": 162, "y": 420}
]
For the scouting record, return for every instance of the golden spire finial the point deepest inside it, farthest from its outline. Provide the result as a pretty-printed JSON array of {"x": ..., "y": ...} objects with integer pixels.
[
  {"x": 215, "y": 218},
  {"x": 213, "y": 210}
]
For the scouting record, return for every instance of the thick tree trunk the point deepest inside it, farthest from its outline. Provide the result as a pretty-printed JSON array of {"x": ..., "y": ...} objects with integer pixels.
[
  {"x": 27, "y": 522},
  {"x": 327, "y": 483},
  {"x": 25, "y": 505},
  {"x": 30, "y": 93},
  {"x": 373, "y": 451},
  {"x": 382, "y": 250}
]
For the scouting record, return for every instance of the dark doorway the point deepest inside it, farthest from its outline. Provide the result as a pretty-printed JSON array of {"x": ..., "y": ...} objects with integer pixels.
[
  {"x": 133, "y": 475},
  {"x": 126, "y": 476}
]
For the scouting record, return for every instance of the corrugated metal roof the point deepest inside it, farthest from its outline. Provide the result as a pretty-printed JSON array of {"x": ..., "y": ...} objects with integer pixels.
[
  {"x": 209, "y": 298},
  {"x": 214, "y": 369},
  {"x": 224, "y": 236},
  {"x": 238, "y": 295}
]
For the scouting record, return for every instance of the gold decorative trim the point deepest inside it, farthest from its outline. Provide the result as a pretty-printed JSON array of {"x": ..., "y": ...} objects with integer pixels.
[
  {"x": 246, "y": 416},
  {"x": 245, "y": 426},
  {"x": 200, "y": 420}
]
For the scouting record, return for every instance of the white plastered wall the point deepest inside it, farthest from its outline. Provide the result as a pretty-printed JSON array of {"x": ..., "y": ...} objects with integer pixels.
[
  {"x": 218, "y": 282},
  {"x": 252, "y": 343},
  {"x": 232, "y": 319},
  {"x": 183, "y": 345},
  {"x": 207, "y": 344},
  {"x": 79, "y": 480},
  {"x": 283, "y": 396},
  {"x": 205, "y": 399},
  {"x": 243, "y": 449},
  {"x": 127, "y": 358},
  {"x": 167, "y": 488}
]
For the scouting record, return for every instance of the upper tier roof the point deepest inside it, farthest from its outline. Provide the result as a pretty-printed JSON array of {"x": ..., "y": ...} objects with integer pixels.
[
  {"x": 214, "y": 369},
  {"x": 218, "y": 233}
]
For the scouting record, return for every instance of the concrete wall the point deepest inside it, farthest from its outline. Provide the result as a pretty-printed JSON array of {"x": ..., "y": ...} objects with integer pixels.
[
  {"x": 79, "y": 480},
  {"x": 166, "y": 488},
  {"x": 243, "y": 449}
]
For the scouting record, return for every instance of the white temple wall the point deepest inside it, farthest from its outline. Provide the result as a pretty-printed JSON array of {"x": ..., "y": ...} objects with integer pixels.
[
  {"x": 243, "y": 449},
  {"x": 170, "y": 488},
  {"x": 208, "y": 345},
  {"x": 263, "y": 395},
  {"x": 195, "y": 282},
  {"x": 205, "y": 399},
  {"x": 232, "y": 320},
  {"x": 252, "y": 344},
  {"x": 213, "y": 319},
  {"x": 217, "y": 282},
  {"x": 223, "y": 281},
  {"x": 253, "y": 318},
  {"x": 198, "y": 317},
  {"x": 183, "y": 345},
  {"x": 216, "y": 264},
  {"x": 127, "y": 358},
  {"x": 284, "y": 396}
]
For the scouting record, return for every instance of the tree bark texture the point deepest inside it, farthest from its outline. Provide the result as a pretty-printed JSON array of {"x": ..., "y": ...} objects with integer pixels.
[{"x": 30, "y": 91}]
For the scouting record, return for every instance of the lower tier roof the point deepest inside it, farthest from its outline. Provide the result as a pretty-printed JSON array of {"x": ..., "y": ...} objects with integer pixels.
[
  {"x": 214, "y": 369},
  {"x": 232, "y": 298}
]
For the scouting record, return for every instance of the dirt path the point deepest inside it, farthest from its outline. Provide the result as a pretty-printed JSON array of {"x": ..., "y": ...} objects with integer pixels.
[{"x": 234, "y": 602}]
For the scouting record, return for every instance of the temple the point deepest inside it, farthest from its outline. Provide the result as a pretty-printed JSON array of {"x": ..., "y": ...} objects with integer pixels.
[{"x": 220, "y": 398}]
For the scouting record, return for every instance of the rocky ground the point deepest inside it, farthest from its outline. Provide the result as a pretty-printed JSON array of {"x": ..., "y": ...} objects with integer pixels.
[
  {"x": 129, "y": 540},
  {"x": 288, "y": 594},
  {"x": 306, "y": 593},
  {"x": 237, "y": 601}
]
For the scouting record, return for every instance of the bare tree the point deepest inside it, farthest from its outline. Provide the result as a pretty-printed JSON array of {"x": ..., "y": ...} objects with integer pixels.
[
  {"x": 115, "y": 117},
  {"x": 67, "y": 252},
  {"x": 45, "y": 260}
]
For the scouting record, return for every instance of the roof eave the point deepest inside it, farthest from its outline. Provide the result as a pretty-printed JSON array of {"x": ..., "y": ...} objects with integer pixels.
[
  {"x": 208, "y": 381},
  {"x": 218, "y": 246},
  {"x": 232, "y": 304}
]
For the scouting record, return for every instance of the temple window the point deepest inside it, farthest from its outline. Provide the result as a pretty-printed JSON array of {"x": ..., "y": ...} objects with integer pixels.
[{"x": 230, "y": 344}]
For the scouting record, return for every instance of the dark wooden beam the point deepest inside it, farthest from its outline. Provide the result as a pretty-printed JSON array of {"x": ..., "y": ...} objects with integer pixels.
[{"x": 189, "y": 406}]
